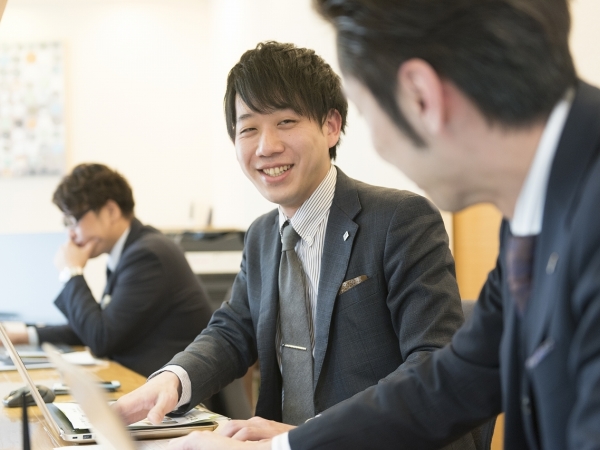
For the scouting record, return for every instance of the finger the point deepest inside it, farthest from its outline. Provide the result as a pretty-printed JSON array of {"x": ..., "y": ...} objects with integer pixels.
[
  {"x": 89, "y": 246},
  {"x": 254, "y": 434},
  {"x": 231, "y": 427},
  {"x": 127, "y": 415},
  {"x": 157, "y": 414}
]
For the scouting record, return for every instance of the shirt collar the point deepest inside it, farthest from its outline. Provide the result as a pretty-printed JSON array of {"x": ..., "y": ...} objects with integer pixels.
[
  {"x": 115, "y": 254},
  {"x": 529, "y": 209},
  {"x": 308, "y": 217}
]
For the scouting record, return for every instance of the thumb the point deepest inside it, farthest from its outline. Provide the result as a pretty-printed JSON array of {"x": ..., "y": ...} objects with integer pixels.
[
  {"x": 89, "y": 246},
  {"x": 158, "y": 411}
]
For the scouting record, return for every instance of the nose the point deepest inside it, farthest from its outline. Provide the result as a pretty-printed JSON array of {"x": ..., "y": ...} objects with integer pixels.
[
  {"x": 72, "y": 234},
  {"x": 269, "y": 143}
]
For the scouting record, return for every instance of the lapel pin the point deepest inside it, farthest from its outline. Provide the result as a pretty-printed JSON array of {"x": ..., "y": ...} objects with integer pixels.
[
  {"x": 346, "y": 234},
  {"x": 551, "y": 266}
]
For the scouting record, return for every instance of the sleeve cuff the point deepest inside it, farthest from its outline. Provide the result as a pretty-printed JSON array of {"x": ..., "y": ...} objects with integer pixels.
[
  {"x": 68, "y": 272},
  {"x": 184, "y": 379},
  {"x": 281, "y": 442},
  {"x": 32, "y": 334}
]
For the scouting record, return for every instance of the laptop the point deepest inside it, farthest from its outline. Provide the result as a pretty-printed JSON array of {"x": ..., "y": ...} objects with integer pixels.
[{"x": 105, "y": 426}]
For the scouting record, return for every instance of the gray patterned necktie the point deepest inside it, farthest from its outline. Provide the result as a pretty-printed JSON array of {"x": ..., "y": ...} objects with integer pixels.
[{"x": 296, "y": 349}]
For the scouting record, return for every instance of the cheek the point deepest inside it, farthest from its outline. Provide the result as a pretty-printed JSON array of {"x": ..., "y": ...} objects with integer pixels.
[{"x": 242, "y": 157}]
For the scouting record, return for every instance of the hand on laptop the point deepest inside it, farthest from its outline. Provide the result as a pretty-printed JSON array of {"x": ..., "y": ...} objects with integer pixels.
[
  {"x": 206, "y": 440},
  {"x": 253, "y": 429},
  {"x": 153, "y": 400}
]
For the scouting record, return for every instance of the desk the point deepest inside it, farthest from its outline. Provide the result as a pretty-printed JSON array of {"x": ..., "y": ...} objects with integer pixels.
[{"x": 41, "y": 438}]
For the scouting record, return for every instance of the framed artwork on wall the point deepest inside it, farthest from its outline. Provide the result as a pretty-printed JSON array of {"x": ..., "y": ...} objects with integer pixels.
[{"x": 32, "y": 119}]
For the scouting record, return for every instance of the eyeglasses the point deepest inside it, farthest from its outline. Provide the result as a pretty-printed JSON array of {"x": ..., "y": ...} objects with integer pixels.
[{"x": 72, "y": 221}]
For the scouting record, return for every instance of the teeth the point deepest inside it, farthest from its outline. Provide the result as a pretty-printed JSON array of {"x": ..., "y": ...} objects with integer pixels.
[{"x": 276, "y": 171}]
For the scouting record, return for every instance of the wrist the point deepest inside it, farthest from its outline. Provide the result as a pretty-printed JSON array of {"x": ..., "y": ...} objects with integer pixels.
[{"x": 69, "y": 272}]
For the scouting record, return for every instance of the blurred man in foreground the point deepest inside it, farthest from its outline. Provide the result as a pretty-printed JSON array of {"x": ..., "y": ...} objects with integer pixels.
[{"x": 478, "y": 101}]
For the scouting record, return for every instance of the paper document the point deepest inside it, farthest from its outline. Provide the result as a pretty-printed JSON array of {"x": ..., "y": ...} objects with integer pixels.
[{"x": 79, "y": 421}]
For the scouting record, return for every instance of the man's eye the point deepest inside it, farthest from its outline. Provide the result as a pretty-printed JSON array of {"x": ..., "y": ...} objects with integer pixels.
[
  {"x": 246, "y": 130},
  {"x": 287, "y": 121}
]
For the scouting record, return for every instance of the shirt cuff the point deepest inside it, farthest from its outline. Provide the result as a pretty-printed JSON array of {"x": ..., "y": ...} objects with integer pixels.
[
  {"x": 184, "y": 379},
  {"x": 32, "y": 334},
  {"x": 281, "y": 442}
]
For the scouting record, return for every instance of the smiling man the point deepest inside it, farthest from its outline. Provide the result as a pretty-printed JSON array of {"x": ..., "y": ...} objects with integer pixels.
[
  {"x": 153, "y": 305},
  {"x": 342, "y": 286},
  {"x": 479, "y": 101}
]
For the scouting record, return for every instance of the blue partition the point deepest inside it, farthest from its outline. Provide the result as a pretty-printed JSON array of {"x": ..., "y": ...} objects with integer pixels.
[{"x": 28, "y": 279}]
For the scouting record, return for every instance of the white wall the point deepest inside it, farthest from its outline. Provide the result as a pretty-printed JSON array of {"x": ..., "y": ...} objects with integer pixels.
[
  {"x": 136, "y": 80},
  {"x": 145, "y": 83}
]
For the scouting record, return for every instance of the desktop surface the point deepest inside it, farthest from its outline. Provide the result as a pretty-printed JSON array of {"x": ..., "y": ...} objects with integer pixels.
[{"x": 41, "y": 438}]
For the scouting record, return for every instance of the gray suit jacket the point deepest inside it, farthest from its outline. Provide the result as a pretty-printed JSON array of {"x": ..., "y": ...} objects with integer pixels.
[
  {"x": 542, "y": 370},
  {"x": 408, "y": 306}
]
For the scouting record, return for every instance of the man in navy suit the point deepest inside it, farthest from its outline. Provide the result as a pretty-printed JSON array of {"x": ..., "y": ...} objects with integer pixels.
[
  {"x": 379, "y": 281},
  {"x": 478, "y": 101},
  {"x": 153, "y": 305}
]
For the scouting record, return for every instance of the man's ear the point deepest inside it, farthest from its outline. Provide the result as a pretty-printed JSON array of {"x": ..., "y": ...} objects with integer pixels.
[
  {"x": 114, "y": 211},
  {"x": 420, "y": 96},
  {"x": 333, "y": 127}
]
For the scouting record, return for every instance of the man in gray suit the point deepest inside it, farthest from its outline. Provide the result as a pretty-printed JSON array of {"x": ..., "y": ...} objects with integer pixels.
[{"x": 379, "y": 282}]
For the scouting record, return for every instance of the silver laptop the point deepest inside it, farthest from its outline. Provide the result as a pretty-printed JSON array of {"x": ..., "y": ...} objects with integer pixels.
[{"x": 106, "y": 426}]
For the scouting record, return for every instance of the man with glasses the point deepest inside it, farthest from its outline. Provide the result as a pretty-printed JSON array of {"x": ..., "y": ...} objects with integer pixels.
[{"x": 153, "y": 305}]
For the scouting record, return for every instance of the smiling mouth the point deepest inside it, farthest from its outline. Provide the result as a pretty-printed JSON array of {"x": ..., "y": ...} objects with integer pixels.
[{"x": 276, "y": 171}]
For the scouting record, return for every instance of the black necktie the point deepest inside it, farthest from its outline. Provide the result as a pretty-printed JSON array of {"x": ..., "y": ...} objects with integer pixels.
[{"x": 519, "y": 264}]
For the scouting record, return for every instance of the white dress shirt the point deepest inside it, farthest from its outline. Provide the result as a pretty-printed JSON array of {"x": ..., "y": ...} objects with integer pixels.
[{"x": 529, "y": 209}]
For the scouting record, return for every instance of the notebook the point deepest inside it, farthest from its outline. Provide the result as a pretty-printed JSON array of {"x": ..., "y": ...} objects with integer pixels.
[{"x": 106, "y": 426}]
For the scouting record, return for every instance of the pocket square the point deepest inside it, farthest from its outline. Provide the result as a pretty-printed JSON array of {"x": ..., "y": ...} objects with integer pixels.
[{"x": 349, "y": 284}]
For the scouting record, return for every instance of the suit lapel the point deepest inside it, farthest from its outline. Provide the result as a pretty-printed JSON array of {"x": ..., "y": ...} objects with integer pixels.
[
  {"x": 334, "y": 262},
  {"x": 267, "y": 321},
  {"x": 576, "y": 150}
]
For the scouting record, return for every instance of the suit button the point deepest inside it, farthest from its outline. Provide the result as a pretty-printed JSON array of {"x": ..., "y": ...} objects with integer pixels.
[{"x": 526, "y": 405}]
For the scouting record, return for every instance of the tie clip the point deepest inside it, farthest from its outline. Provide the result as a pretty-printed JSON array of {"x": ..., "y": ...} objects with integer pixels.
[{"x": 294, "y": 346}]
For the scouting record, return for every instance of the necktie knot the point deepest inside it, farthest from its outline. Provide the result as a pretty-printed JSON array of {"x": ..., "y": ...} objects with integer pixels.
[
  {"x": 289, "y": 237},
  {"x": 519, "y": 263}
]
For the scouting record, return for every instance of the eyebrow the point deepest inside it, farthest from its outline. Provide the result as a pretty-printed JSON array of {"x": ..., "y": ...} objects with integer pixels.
[{"x": 244, "y": 116}]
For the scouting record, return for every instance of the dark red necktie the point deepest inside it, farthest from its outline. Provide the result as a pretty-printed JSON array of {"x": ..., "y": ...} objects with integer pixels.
[{"x": 519, "y": 264}]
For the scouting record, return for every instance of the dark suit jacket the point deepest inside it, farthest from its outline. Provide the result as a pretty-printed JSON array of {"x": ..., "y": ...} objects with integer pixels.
[
  {"x": 542, "y": 370},
  {"x": 157, "y": 306},
  {"x": 408, "y": 306}
]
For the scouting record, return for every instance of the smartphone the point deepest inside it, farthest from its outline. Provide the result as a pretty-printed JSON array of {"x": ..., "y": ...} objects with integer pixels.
[{"x": 110, "y": 386}]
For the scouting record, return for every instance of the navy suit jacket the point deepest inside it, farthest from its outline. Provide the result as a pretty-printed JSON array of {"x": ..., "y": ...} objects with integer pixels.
[
  {"x": 408, "y": 306},
  {"x": 157, "y": 306},
  {"x": 542, "y": 370}
]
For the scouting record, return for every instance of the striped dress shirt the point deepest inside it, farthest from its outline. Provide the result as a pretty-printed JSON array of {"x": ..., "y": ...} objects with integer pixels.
[{"x": 310, "y": 222}]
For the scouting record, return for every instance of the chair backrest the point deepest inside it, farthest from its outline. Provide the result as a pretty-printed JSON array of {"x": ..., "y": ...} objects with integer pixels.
[
  {"x": 467, "y": 307},
  {"x": 483, "y": 434}
]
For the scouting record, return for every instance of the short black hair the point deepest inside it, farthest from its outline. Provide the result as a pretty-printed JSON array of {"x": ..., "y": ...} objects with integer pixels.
[
  {"x": 89, "y": 187},
  {"x": 276, "y": 76},
  {"x": 511, "y": 57}
]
